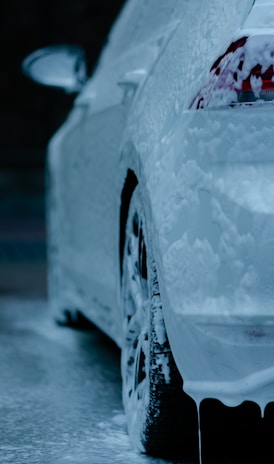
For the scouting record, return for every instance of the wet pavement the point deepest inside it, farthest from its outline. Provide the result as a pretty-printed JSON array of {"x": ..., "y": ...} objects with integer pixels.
[{"x": 60, "y": 392}]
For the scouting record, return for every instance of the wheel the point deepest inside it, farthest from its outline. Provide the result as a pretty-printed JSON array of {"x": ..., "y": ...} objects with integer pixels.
[{"x": 161, "y": 418}]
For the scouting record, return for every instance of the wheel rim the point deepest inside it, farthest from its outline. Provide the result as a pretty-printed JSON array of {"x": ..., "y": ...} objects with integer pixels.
[{"x": 136, "y": 301}]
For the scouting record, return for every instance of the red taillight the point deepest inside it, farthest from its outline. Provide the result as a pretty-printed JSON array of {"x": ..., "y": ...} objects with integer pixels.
[
  {"x": 258, "y": 86},
  {"x": 244, "y": 74}
]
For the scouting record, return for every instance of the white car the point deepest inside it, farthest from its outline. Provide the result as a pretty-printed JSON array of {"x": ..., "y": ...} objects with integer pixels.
[{"x": 161, "y": 209}]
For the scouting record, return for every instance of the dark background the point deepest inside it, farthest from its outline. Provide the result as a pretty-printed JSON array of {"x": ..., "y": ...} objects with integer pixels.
[{"x": 30, "y": 114}]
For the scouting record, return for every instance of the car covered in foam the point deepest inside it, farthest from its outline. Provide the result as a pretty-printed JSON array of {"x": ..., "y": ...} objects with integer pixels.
[{"x": 161, "y": 208}]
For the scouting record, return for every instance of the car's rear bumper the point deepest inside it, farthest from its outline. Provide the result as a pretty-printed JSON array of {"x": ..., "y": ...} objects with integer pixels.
[{"x": 227, "y": 358}]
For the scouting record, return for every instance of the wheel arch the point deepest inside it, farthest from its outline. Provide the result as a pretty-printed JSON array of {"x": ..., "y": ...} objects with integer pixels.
[{"x": 130, "y": 185}]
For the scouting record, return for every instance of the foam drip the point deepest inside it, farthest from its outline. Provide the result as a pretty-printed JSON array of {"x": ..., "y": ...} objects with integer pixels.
[{"x": 198, "y": 404}]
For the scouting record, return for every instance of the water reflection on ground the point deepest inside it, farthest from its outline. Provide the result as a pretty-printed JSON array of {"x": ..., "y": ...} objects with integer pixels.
[{"x": 60, "y": 392}]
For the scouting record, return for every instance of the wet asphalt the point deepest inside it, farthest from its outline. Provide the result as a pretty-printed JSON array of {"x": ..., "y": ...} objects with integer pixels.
[{"x": 60, "y": 392}]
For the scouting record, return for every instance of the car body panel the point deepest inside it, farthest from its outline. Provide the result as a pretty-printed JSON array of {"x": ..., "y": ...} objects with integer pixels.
[
  {"x": 206, "y": 180},
  {"x": 215, "y": 234}
]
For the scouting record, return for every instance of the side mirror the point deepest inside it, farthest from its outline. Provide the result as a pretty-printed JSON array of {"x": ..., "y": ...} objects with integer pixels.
[{"x": 60, "y": 66}]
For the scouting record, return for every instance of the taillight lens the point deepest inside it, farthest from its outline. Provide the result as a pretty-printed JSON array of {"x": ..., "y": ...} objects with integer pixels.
[{"x": 243, "y": 75}]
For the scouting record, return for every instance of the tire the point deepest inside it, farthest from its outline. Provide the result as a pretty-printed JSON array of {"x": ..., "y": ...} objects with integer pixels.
[{"x": 162, "y": 419}]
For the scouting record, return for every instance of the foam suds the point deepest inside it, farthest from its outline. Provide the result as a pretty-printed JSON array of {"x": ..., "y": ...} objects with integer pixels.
[
  {"x": 198, "y": 404},
  {"x": 262, "y": 405}
]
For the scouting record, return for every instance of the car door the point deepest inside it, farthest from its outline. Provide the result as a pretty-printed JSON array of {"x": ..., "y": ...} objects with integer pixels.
[{"x": 92, "y": 186}]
